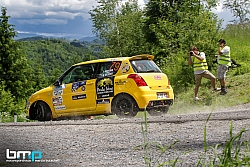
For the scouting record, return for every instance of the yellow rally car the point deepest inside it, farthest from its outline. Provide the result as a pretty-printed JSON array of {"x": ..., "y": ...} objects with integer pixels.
[{"x": 122, "y": 86}]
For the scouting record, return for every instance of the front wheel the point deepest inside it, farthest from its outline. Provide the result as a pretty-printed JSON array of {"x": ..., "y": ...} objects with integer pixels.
[
  {"x": 124, "y": 106},
  {"x": 158, "y": 111},
  {"x": 43, "y": 112}
]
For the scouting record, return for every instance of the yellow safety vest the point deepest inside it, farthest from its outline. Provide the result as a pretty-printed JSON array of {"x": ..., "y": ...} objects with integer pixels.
[
  {"x": 199, "y": 64},
  {"x": 225, "y": 59}
]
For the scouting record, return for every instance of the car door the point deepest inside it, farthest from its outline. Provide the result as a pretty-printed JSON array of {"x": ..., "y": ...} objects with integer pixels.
[{"x": 77, "y": 92}]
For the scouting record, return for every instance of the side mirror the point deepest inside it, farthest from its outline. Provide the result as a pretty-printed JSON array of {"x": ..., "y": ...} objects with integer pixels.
[{"x": 57, "y": 83}]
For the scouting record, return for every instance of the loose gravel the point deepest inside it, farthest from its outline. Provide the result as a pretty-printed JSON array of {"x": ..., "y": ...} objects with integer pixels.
[{"x": 118, "y": 142}]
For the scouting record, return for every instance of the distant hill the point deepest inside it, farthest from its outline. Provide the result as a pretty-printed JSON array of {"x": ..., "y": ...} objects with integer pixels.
[
  {"x": 22, "y": 35},
  {"x": 26, "y": 35},
  {"x": 40, "y": 37},
  {"x": 33, "y": 38},
  {"x": 88, "y": 39},
  {"x": 54, "y": 56},
  {"x": 91, "y": 43}
]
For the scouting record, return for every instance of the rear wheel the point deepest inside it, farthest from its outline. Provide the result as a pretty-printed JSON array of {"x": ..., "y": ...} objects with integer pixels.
[
  {"x": 124, "y": 106},
  {"x": 158, "y": 111},
  {"x": 43, "y": 112}
]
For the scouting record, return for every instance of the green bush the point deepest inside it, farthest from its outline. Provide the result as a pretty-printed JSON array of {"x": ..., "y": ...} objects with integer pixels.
[{"x": 9, "y": 106}]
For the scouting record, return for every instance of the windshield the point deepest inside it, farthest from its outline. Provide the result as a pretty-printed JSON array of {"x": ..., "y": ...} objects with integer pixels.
[{"x": 144, "y": 66}]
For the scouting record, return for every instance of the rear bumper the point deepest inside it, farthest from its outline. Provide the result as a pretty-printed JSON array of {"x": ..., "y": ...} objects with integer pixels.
[
  {"x": 159, "y": 103},
  {"x": 145, "y": 97}
]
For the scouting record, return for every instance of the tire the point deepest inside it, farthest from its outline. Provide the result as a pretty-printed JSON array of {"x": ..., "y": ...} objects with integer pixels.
[
  {"x": 158, "y": 111},
  {"x": 43, "y": 112},
  {"x": 124, "y": 106}
]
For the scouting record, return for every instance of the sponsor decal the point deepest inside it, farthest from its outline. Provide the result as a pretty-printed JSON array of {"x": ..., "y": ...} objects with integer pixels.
[
  {"x": 107, "y": 72},
  {"x": 77, "y": 85},
  {"x": 60, "y": 87},
  {"x": 60, "y": 107},
  {"x": 103, "y": 101},
  {"x": 125, "y": 68},
  {"x": 120, "y": 82},
  {"x": 57, "y": 92},
  {"x": 157, "y": 77},
  {"x": 77, "y": 97},
  {"x": 105, "y": 87},
  {"x": 57, "y": 101}
]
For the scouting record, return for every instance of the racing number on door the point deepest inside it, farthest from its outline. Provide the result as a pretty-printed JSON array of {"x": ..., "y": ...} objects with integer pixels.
[{"x": 115, "y": 66}]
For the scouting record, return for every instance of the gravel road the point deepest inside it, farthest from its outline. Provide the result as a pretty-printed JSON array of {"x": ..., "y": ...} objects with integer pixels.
[{"x": 113, "y": 143}]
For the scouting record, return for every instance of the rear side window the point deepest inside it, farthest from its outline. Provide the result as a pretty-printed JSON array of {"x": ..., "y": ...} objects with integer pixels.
[
  {"x": 144, "y": 66},
  {"x": 108, "y": 68}
]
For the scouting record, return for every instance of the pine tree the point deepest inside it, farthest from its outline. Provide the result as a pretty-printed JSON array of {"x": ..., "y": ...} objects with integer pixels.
[{"x": 13, "y": 62}]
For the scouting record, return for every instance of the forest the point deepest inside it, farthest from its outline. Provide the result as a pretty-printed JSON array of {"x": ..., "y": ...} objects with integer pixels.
[{"x": 165, "y": 29}]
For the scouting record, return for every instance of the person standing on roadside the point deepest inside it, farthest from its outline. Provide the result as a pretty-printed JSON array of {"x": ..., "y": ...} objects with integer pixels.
[
  {"x": 224, "y": 61},
  {"x": 198, "y": 60}
]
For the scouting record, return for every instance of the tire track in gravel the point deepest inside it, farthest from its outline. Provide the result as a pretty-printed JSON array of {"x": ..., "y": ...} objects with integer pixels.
[{"x": 177, "y": 119}]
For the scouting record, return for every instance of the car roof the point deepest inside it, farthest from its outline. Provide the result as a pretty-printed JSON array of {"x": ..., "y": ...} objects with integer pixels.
[{"x": 137, "y": 57}]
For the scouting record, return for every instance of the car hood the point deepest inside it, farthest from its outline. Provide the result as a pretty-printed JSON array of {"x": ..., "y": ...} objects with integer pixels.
[{"x": 39, "y": 94}]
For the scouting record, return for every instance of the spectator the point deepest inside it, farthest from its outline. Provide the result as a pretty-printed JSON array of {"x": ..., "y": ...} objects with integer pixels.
[
  {"x": 224, "y": 62},
  {"x": 198, "y": 60}
]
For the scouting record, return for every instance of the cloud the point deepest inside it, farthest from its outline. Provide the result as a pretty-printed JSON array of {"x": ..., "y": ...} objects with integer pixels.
[
  {"x": 46, "y": 9},
  {"x": 44, "y": 21},
  {"x": 65, "y": 16},
  {"x": 51, "y": 12},
  {"x": 52, "y": 17},
  {"x": 41, "y": 11},
  {"x": 47, "y": 34}
]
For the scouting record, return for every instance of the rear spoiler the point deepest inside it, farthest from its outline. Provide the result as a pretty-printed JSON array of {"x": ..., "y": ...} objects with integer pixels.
[{"x": 142, "y": 57}]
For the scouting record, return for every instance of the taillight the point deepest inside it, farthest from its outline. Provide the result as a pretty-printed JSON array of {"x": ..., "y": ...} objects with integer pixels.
[{"x": 138, "y": 80}]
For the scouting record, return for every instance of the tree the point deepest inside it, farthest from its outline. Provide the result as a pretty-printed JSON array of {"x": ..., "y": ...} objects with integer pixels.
[
  {"x": 239, "y": 8},
  {"x": 7, "y": 103},
  {"x": 172, "y": 27},
  {"x": 165, "y": 28},
  {"x": 13, "y": 63},
  {"x": 119, "y": 26}
]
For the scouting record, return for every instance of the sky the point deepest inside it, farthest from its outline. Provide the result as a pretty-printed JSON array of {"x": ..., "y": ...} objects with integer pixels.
[{"x": 61, "y": 18}]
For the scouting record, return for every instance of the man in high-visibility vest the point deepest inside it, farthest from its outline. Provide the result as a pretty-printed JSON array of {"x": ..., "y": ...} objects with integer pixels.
[
  {"x": 224, "y": 62},
  {"x": 198, "y": 60}
]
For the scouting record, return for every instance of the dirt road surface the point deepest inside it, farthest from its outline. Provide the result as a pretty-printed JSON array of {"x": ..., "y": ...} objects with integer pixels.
[{"x": 118, "y": 142}]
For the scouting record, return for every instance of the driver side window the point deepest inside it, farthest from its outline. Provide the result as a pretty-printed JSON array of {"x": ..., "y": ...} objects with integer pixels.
[{"x": 79, "y": 73}]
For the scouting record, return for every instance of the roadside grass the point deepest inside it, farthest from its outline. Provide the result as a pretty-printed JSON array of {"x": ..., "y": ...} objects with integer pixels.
[
  {"x": 149, "y": 156},
  {"x": 8, "y": 118},
  {"x": 238, "y": 93},
  {"x": 234, "y": 152}
]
